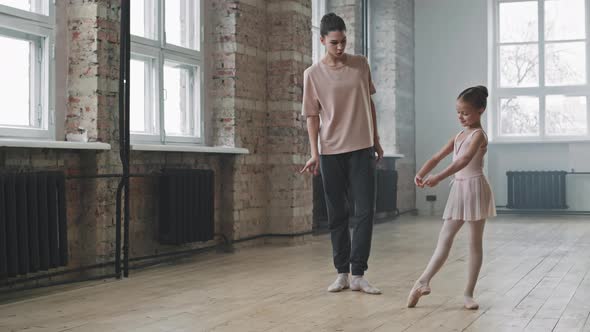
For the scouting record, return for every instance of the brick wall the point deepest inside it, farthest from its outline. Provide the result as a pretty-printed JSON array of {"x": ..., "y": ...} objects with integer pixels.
[
  {"x": 291, "y": 204},
  {"x": 251, "y": 172},
  {"x": 257, "y": 51},
  {"x": 253, "y": 101}
]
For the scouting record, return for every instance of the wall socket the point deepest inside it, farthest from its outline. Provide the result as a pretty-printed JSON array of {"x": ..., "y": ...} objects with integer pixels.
[{"x": 430, "y": 198}]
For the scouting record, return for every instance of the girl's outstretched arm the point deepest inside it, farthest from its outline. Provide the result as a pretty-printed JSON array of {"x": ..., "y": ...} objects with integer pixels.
[
  {"x": 459, "y": 163},
  {"x": 432, "y": 162}
]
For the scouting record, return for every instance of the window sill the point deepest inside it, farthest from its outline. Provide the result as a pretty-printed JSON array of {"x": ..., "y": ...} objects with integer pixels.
[
  {"x": 43, "y": 144},
  {"x": 565, "y": 141},
  {"x": 188, "y": 148},
  {"x": 393, "y": 155}
]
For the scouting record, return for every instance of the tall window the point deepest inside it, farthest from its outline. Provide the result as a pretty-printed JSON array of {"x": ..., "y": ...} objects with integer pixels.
[
  {"x": 26, "y": 66},
  {"x": 318, "y": 10},
  {"x": 166, "y": 62},
  {"x": 541, "y": 70}
]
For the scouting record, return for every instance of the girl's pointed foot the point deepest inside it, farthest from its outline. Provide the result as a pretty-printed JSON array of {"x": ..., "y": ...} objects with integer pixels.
[
  {"x": 470, "y": 303},
  {"x": 417, "y": 291}
]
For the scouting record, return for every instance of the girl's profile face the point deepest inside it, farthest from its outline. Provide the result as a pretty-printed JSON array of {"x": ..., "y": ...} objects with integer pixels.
[
  {"x": 335, "y": 43},
  {"x": 467, "y": 114}
]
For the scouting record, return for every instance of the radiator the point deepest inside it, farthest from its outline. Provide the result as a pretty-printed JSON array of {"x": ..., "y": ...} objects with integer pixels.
[
  {"x": 386, "y": 190},
  {"x": 320, "y": 210},
  {"x": 536, "y": 190},
  {"x": 186, "y": 206},
  {"x": 33, "y": 224}
]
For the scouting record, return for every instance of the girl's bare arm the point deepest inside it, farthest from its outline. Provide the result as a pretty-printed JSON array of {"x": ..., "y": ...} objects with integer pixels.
[
  {"x": 436, "y": 158},
  {"x": 461, "y": 162}
]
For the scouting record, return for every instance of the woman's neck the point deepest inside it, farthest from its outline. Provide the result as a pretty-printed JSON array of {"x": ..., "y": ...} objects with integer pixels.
[{"x": 333, "y": 61}]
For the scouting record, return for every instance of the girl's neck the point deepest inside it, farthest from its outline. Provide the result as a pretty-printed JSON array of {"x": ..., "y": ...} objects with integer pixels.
[{"x": 475, "y": 126}]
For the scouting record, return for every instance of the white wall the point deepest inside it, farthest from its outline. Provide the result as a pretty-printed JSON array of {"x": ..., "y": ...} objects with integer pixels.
[
  {"x": 548, "y": 156},
  {"x": 451, "y": 54}
]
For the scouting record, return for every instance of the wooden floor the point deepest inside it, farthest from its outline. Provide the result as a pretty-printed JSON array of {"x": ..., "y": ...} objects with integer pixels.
[{"x": 535, "y": 278}]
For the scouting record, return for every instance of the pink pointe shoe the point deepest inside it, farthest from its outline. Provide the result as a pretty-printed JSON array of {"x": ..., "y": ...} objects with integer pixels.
[
  {"x": 470, "y": 303},
  {"x": 417, "y": 291}
]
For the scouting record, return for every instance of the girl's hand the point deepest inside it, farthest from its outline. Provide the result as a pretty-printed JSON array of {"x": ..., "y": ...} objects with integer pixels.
[
  {"x": 432, "y": 180},
  {"x": 419, "y": 181}
]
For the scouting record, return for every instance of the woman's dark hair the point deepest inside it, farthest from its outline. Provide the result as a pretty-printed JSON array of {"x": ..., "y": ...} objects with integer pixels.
[
  {"x": 476, "y": 96},
  {"x": 331, "y": 22}
]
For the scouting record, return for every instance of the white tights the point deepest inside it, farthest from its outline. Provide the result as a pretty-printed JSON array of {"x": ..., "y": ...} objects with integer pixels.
[{"x": 443, "y": 247}]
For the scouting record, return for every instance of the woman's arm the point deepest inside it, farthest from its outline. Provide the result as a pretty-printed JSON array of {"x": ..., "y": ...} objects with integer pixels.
[
  {"x": 377, "y": 143},
  {"x": 313, "y": 129}
]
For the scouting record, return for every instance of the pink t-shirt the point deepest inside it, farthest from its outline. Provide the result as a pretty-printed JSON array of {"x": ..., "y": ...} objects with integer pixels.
[{"x": 342, "y": 99}]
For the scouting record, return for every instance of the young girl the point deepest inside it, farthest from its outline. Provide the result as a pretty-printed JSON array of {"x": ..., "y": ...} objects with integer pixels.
[{"x": 470, "y": 200}]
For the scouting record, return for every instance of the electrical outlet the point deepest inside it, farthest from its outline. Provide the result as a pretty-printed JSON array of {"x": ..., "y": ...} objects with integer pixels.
[{"x": 430, "y": 198}]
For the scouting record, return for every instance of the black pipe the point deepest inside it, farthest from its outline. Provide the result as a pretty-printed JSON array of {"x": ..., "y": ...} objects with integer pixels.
[
  {"x": 172, "y": 253},
  {"x": 552, "y": 212},
  {"x": 92, "y": 176},
  {"x": 106, "y": 264},
  {"x": 118, "y": 232},
  {"x": 56, "y": 274},
  {"x": 179, "y": 254},
  {"x": 226, "y": 241},
  {"x": 250, "y": 238},
  {"x": 545, "y": 212},
  {"x": 122, "y": 64},
  {"x": 63, "y": 282},
  {"x": 407, "y": 211},
  {"x": 126, "y": 31},
  {"x": 98, "y": 176}
]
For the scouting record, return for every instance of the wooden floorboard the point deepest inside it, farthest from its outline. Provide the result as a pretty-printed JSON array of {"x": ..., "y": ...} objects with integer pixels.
[{"x": 535, "y": 277}]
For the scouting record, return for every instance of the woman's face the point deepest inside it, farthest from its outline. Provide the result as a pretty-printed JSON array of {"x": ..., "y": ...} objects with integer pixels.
[{"x": 335, "y": 43}]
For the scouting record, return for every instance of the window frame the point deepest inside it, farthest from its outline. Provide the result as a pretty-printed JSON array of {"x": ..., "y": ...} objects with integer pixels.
[
  {"x": 161, "y": 53},
  {"x": 541, "y": 91},
  {"x": 318, "y": 10},
  {"x": 39, "y": 28}
]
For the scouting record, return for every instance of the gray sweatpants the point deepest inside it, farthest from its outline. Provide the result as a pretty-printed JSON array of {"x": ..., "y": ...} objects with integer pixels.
[{"x": 349, "y": 189}]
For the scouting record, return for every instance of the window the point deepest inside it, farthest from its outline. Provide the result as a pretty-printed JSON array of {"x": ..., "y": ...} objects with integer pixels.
[
  {"x": 166, "y": 62},
  {"x": 318, "y": 10},
  {"x": 27, "y": 64},
  {"x": 540, "y": 70}
]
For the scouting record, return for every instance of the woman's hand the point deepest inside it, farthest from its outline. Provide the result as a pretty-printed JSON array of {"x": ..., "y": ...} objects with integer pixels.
[
  {"x": 378, "y": 150},
  {"x": 311, "y": 166}
]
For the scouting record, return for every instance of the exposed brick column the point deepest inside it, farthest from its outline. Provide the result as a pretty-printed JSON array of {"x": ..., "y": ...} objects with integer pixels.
[
  {"x": 92, "y": 87},
  {"x": 238, "y": 109},
  {"x": 93, "y": 29},
  {"x": 392, "y": 62},
  {"x": 251, "y": 178},
  {"x": 289, "y": 54},
  {"x": 222, "y": 24}
]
